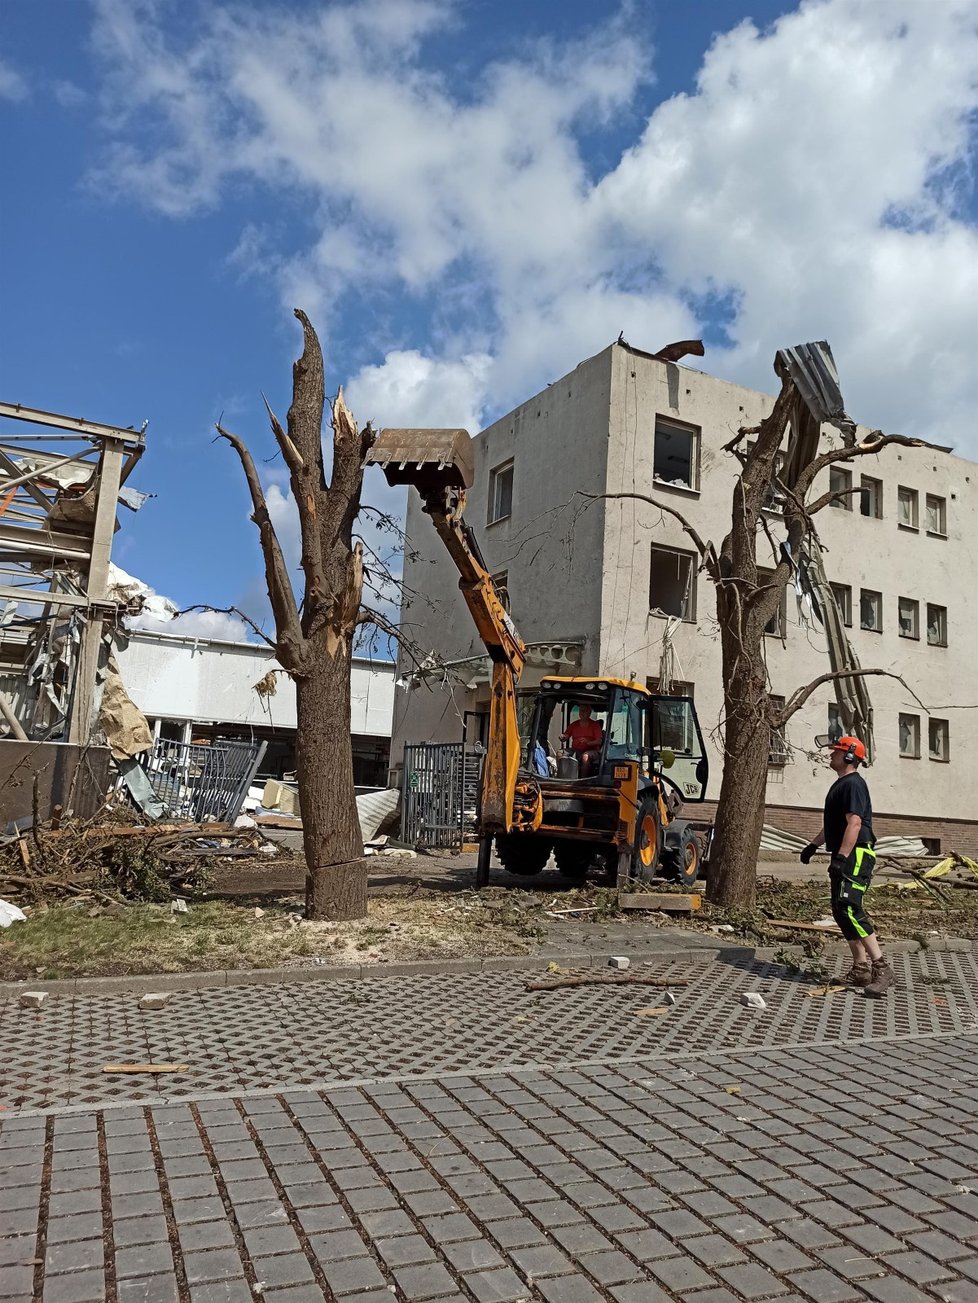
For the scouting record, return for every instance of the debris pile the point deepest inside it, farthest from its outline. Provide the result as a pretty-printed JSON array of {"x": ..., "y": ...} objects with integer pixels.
[{"x": 113, "y": 859}]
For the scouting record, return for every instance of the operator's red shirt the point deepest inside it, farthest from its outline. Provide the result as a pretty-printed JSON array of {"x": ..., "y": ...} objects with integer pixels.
[{"x": 584, "y": 734}]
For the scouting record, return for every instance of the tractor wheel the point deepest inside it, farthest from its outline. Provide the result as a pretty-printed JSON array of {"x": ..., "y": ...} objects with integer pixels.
[
  {"x": 684, "y": 858},
  {"x": 522, "y": 853},
  {"x": 573, "y": 858},
  {"x": 648, "y": 842}
]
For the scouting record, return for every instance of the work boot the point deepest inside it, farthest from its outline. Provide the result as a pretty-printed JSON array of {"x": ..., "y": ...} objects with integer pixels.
[
  {"x": 858, "y": 975},
  {"x": 883, "y": 977}
]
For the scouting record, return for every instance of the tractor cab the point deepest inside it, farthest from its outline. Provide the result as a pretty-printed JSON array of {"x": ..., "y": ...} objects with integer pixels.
[{"x": 582, "y": 730}]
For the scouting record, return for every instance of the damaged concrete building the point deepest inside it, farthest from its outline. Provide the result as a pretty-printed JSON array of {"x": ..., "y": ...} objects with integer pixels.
[
  {"x": 195, "y": 690},
  {"x": 61, "y": 484},
  {"x": 608, "y": 587}
]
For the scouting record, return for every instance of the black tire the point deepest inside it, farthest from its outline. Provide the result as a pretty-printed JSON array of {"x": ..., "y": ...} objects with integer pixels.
[
  {"x": 684, "y": 858},
  {"x": 648, "y": 841},
  {"x": 573, "y": 858},
  {"x": 523, "y": 853}
]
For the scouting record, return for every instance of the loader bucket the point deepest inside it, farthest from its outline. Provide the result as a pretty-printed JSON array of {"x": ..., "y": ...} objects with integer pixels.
[{"x": 428, "y": 459}]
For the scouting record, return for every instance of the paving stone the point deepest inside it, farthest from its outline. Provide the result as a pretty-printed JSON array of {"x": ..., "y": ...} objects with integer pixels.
[
  {"x": 149, "y": 1289},
  {"x": 471, "y": 1255},
  {"x": 222, "y": 1291},
  {"x": 78, "y": 1287},
  {"x": 890, "y": 1289},
  {"x": 82, "y": 1226},
  {"x": 824, "y": 1286},
  {"x": 610, "y": 1267},
  {"x": 283, "y": 1269},
  {"x": 712, "y": 1250},
  {"x": 424, "y": 1282},
  {"x": 643, "y": 1292},
  {"x": 353, "y": 1275},
  {"x": 73, "y": 1256},
  {"x": 752, "y": 1281},
  {"x": 138, "y": 1230},
  {"x": 569, "y": 1289},
  {"x": 680, "y": 1274},
  {"x": 917, "y": 1266},
  {"x": 338, "y": 1244},
  {"x": 211, "y": 1264},
  {"x": 144, "y": 1260},
  {"x": 17, "y": 1282}
]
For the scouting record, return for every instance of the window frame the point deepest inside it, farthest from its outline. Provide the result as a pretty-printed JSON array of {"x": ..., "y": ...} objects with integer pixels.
[
  {"x": 871, "y": 485},
  {"x": 845, "y": 504},
  {"x": 696, "y": 439},
  {"x": 931, "y": 754},
  {"x": 871, "y": 592},
  {"x": 911, "y": 601},
  {"x": 778, "y": 753},
  {"x": 693, "y": 558},
  {"x": 835, "y": 728},
  {"x": 845, "y": 607},
  {"x": 942, "y": 502},
  {"x": 495, "y": 475},
  {"x": 914, "y": 721},
  {"x": 914, "y": 523},
  {"x": 940, "y": 641}
]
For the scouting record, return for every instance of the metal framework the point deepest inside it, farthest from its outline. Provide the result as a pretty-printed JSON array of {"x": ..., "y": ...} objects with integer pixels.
[{"x": 57, "y": 517}]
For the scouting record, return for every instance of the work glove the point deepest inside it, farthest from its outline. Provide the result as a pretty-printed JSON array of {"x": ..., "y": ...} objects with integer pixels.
[
  {"x": 841, "y": 863},
  {"x": 806, "y": 855}
]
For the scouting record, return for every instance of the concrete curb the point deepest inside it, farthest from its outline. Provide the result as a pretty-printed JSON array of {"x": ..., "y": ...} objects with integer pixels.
[
  {"x": 716, "y": 948},
  {"x": 141, "y": 983}
]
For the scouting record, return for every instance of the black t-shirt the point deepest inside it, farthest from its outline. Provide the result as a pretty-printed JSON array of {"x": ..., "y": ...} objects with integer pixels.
[{"x": 847, "y": 795}]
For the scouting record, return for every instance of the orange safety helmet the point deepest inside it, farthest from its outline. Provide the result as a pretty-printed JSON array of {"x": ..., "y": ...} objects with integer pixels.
[{"x": 854, "y": 749}]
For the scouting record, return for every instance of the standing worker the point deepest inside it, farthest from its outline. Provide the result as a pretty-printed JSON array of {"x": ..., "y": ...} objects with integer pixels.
[{"x": 847, "y": 831}]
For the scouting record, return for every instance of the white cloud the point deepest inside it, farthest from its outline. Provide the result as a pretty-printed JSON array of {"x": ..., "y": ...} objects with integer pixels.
[
  {"x": 12, "y": 85},
  {"x": 813, "y": 180}
]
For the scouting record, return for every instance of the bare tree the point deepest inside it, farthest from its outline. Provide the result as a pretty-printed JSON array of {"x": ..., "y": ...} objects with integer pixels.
[
  {"x": 315, "y": 637},
  {"x": 747, "y": 602}
]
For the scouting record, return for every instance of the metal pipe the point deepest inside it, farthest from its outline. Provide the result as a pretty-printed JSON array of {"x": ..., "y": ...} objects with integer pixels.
[{"x": 15, "y": 725}]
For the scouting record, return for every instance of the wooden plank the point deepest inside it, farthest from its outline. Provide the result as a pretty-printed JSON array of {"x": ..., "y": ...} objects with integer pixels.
[
  {"x": 668, "y": 902},
  {"x": 154, "y": 1068},
  {"x": 828, "y": 929},
  {"x": 606, "y": 979}
]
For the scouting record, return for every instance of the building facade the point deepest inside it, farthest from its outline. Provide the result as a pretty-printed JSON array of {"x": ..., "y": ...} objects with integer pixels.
[
  {"x": 203, "y": 688},
  {"x": 595, "y": 582}
]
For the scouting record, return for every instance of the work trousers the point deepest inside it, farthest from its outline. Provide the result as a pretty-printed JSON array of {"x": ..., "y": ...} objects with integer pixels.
[{"x": 848, "y": 894}]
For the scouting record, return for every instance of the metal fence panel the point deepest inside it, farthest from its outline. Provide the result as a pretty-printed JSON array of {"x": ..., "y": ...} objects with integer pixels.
[
  {"x": 195, "y": 781},
  {"x": 440, "y": 789}
]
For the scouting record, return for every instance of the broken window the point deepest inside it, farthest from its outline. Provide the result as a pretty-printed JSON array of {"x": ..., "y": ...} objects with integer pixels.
[
  {"x": 672, "y": 590},
  {"x": 871, "y": 497},
  {"x": 500, "y": 581},
  {"x": 909, "y": 617},
  {"x": 835, "y": 722},
  {"x": 906, "y": 507},
  {"x": 777, "y": 756},
  {"x": 677, "y": 688},
  {"x": 938, "y": 739},
  {"x": 936, "y": 625},
  {"x": 500, "y": 492},
  {"x": 843, "y": 599},
  {"x": 936, "y": 509},
  {"x": 910, "y": 737},
  {"x": 675, "y": 456},
  {"x": 776, "y": 625},
  {"x": 870, "y": 610},
  {"x": 840, "y": 481}
]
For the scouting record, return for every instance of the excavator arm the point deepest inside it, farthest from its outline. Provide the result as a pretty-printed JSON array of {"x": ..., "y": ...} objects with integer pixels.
[{"x": 439, "y": 464}]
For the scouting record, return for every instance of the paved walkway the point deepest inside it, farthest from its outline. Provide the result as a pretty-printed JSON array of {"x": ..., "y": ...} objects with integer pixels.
[{"x": 706, "y": 1154}]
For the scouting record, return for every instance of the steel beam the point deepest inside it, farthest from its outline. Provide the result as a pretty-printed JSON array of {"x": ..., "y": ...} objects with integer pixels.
[{"x": 73, "y": 423}]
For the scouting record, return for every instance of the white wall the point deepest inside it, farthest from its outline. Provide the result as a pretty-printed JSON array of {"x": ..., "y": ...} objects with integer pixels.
[{"x": 208, "y": 681}]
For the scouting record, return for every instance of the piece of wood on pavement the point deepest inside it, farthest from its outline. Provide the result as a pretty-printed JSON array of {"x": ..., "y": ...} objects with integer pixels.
[
  {"x": 605, "y": 979},
  {"x": 145, "y": 1067},
  {"x": 801, "y": 927},
  {"x": 667, "y": 902}
]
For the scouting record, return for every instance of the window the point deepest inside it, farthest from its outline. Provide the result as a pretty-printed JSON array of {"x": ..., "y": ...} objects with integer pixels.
[
  {"x": 672, "y": 590},
  {"x": 909, "y": 617},
  {"x": 500, "y": 492},
  {"x": 936, "y": 514},
  {"x": 910, "y": 737},
  {"x": 937, "y": 625},
  {"x": 777, "y": 756},
  {"x": 906, "y": 508},
  {"x": 871, "y": 497},
  {"x": 776, "y": 625},
  {"x": 870, "y": 610},
  {"x": 675, "y": 457},
  {"x": 938, "y": 740},
  {"x": 677, "y": 688},
  {"x": 840, "y": 481},
  {"x": 843, "y": 598},
  {"x": 500, "y": 582},
  {"x": 836, "y": 729}
]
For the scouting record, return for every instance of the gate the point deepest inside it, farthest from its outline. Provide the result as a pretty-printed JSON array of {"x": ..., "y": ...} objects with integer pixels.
[
  {"x": 440, "y": 793},
  {"x": 195, "y": 781}
]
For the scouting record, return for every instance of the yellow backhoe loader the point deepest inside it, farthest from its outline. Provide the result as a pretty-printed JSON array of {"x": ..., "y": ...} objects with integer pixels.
[{"x": 610, "y": 805}]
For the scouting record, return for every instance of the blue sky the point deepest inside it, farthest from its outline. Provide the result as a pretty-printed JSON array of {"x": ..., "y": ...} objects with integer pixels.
[{"x": 468, "y": 198}]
